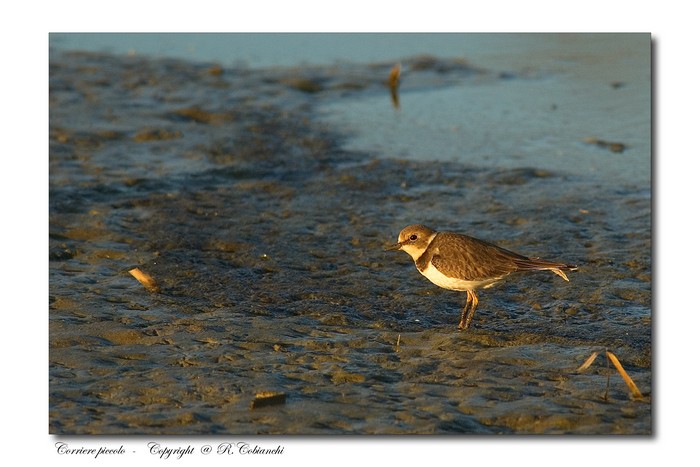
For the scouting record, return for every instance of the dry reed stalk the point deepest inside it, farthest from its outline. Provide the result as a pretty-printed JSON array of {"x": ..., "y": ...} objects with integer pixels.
[
  {"x": 610, "y": 145},
  {"x": 263, "y": 399},
  {"x": 587, "y": 363},
  {"x": 394, "y": 76},
  {"x": 393, "y": 83},
  {"x": 146, "y": 280},
  {"x": 607, "y": 383},
  {"x": 630, "y": 384}
]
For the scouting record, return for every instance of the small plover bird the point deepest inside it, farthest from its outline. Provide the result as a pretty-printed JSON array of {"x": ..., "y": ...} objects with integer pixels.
[{"x": 457, "y": 262}]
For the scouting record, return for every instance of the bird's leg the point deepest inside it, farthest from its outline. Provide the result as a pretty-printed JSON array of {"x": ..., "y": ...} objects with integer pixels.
[
  {"x": 463, "y": 324},
  {"x": 469, "y": 310}
]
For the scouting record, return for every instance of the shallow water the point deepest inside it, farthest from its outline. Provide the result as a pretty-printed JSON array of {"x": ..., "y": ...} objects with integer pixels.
[{"x": 265, "y": 222}]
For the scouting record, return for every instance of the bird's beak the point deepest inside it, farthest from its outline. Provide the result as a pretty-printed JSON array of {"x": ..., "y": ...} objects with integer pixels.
[{"x": 394, "y": 247}]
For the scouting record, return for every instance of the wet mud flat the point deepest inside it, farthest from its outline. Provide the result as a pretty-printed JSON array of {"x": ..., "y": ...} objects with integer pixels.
[{"x": 267, "y": 240}]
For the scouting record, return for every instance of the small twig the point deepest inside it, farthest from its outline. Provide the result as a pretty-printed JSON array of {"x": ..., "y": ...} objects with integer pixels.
[
  {"x": 264, "y": 399},
  {"x": 610, "y": 145},
  {"x": 398, "y": 343},
  {"x": 393, "y": 83},
  {"x": 587, "y": 363},
  {"x": 636, "y": 394},
  {"x": 146, "y": 280},
  {"x": 607, "y": 385},
  {"x": 394, "y": 76},
  {"x": 630, "y": 384}
]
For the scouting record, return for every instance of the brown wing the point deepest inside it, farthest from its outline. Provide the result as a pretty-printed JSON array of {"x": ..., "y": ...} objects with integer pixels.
[{"x": 472, "y": 259}]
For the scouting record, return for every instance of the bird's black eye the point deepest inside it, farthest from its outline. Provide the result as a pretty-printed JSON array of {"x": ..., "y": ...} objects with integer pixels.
[{"x": 413, "y": 237}]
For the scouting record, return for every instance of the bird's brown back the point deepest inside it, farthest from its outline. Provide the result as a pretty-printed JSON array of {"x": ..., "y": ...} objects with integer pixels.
[{"x": 469, "y": 258}]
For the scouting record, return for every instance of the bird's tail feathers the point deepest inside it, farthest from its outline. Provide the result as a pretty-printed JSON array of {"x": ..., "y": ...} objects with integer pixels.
[{"x": 536, "y": 264}]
